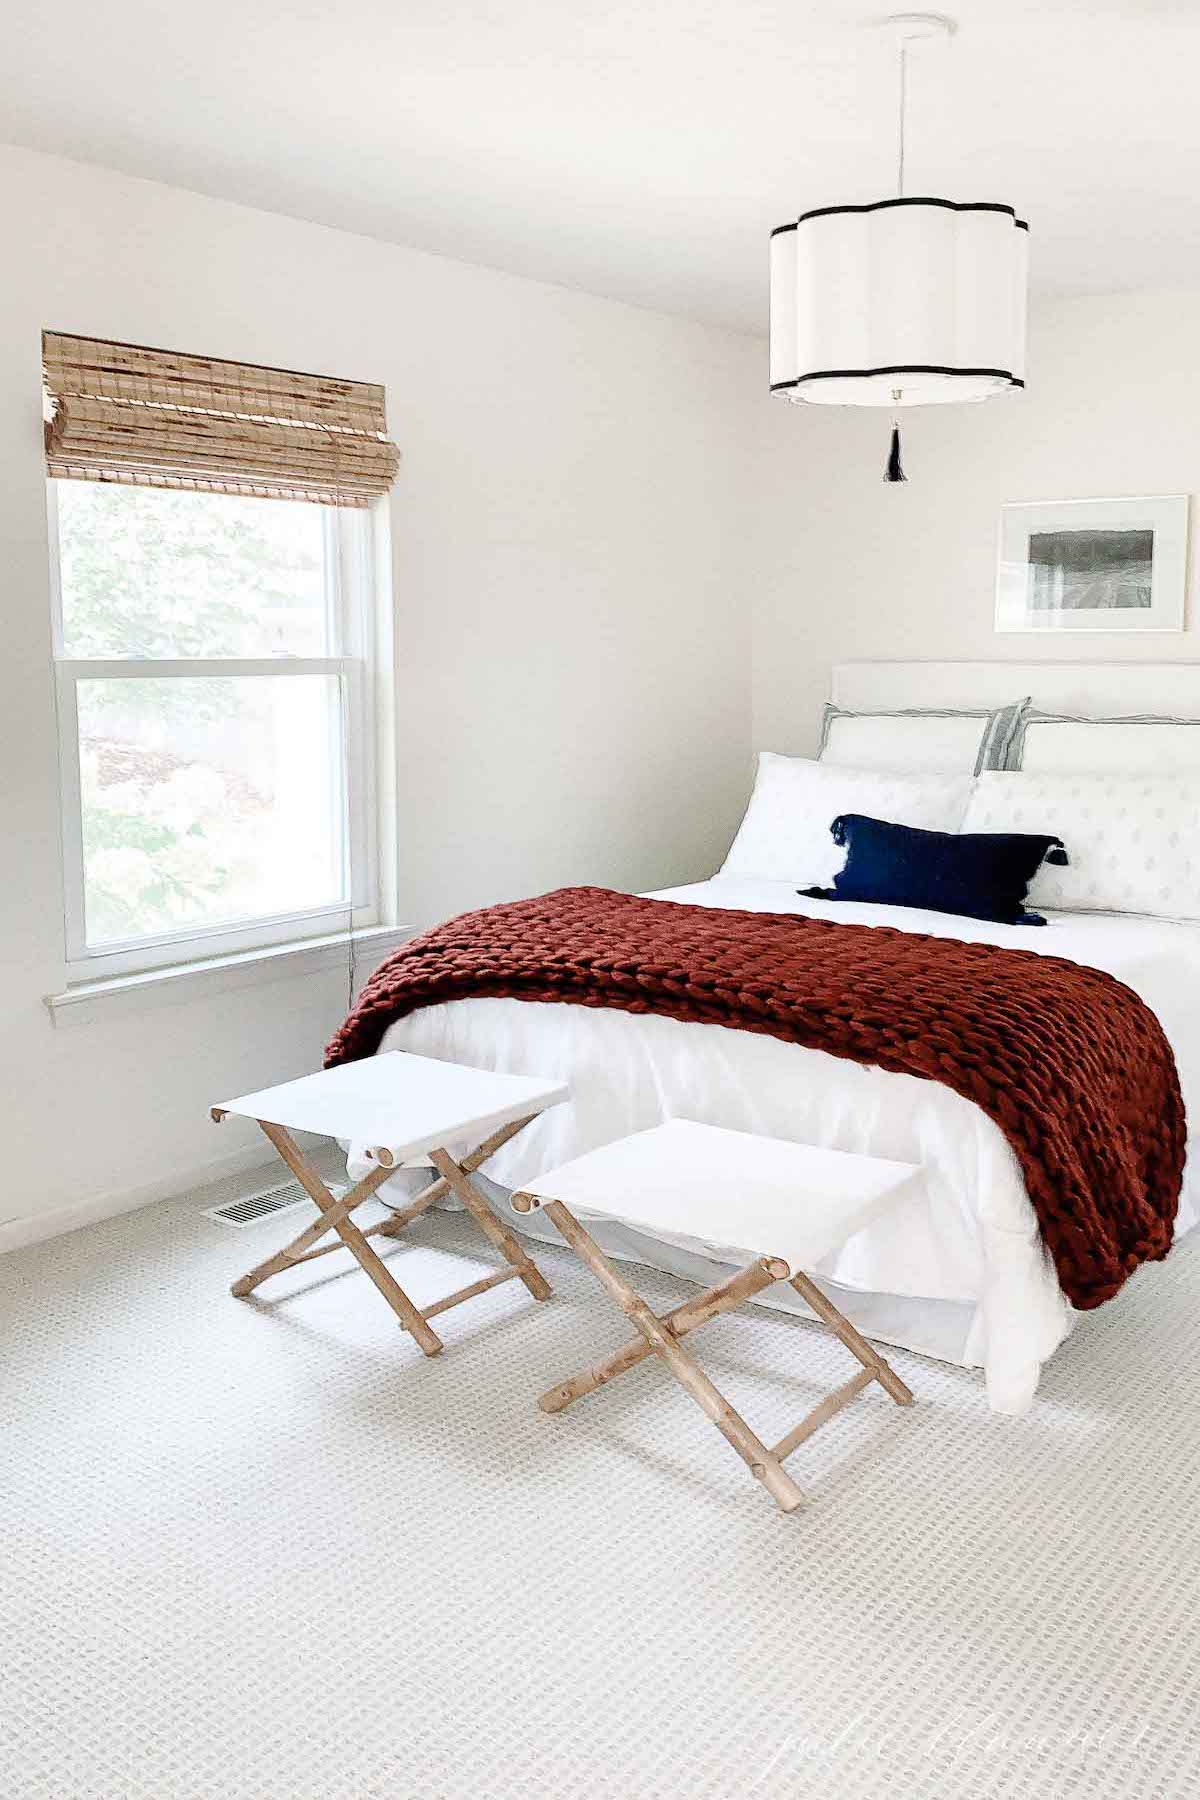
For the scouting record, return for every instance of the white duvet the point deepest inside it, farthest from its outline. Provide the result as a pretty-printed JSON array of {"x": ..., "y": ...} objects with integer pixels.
[{"x": 959, "y": 1272}]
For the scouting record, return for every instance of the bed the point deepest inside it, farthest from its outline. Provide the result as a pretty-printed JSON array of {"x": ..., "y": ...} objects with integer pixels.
[{"x": 960, "y": 1272}]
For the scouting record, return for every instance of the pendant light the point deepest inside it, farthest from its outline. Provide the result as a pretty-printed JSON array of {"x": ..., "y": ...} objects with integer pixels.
[{"x": 908, "y": 301}]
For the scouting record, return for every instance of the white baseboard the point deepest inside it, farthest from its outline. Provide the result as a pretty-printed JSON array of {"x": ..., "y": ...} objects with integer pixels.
[{"x": 15, "y": 1234}]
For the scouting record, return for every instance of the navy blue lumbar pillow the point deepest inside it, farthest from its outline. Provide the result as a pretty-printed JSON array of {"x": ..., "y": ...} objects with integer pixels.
[{"x": 980, "y": 875}]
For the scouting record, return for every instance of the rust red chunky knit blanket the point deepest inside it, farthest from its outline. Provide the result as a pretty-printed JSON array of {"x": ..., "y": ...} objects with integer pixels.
[{"x": 1069, "y": 1062}]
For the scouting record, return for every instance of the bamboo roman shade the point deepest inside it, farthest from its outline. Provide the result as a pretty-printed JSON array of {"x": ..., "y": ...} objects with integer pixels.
[{"x": 157, "y": 419}]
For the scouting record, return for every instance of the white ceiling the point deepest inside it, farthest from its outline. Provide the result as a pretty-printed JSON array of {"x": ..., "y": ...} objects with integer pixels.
[{"x": 636, "y": 148}]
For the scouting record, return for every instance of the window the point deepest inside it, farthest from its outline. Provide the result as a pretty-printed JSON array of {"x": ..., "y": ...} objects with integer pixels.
[{"x": 213, "y": 685}]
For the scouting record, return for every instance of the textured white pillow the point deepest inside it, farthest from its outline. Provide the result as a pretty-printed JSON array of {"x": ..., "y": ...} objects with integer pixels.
[
  {"x": 785, "y": 833},
  {"x": 1133, "y": 840}
]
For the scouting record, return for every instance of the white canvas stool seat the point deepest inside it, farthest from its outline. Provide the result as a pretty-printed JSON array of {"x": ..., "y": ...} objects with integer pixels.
[
  {"x": 785, "y": 1206},
  {"x": 403, "y": 1107}
]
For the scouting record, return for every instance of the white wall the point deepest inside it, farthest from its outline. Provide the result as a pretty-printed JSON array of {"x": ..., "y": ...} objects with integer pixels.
[
  {"x": 572, "y": 600},
  {"x": 853, "y": 567},
  {"x": 595, "y": 506}
]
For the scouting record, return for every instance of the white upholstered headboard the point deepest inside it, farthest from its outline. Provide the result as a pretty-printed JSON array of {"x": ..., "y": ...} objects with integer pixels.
[{"x": 1092, "y": 689}]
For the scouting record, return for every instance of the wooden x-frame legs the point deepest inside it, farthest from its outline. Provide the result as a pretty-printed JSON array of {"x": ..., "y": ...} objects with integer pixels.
[
  {"x": 660, "y": 1336},
  {"x": 335, "y": 1216}
]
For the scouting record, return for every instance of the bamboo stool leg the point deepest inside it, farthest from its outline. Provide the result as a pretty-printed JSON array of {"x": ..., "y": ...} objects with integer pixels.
[
  {"x": 508, "y": 1245},
  {"x": 400, "y": 1217},
  {"x": 298, "y": 1249},
  {"x": 334, "y": 1216},
  {"x": 372, "y": 1265},
  {"x": 837, "y": 1322},
  {"x": 682, "y": 1319},
  {"x": 763, "y": 1465},
  {"x": 392, "y": 1226},
  {"x": 822, "y": 1413}
]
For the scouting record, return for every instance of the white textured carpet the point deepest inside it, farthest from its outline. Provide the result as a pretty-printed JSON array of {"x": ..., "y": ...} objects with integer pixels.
[{"x": 266, "y": 1551}]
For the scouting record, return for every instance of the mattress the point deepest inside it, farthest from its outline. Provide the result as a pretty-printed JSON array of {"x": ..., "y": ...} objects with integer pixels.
[{"x": 958, "y": 1269}]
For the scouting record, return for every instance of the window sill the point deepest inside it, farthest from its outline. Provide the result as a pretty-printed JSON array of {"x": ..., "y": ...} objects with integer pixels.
[{"x": 86, "y": 1001}]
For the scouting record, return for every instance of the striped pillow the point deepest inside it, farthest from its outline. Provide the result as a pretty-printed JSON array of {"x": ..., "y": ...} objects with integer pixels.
[{"x": 921, "y": 740}]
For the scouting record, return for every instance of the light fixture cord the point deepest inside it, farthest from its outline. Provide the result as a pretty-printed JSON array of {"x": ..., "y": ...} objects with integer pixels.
[
  {"x": 903, "y": 110},
  {"x": 894, "y": 461}
]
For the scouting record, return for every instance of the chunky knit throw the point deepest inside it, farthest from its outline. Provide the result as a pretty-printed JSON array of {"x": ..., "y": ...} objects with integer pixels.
[{"x": 1069, "y": 1062}]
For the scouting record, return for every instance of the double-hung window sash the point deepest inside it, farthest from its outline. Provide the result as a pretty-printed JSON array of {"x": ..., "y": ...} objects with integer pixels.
[{"x": 213, "y": 627}]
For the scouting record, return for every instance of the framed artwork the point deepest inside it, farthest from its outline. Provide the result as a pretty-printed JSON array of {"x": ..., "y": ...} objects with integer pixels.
[{"x": 1093, "y": 565}]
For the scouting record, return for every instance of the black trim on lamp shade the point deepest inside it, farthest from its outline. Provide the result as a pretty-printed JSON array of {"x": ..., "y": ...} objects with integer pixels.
[
  {"x": 824, "y": 212},
  {"x": 893, "y": 369}
]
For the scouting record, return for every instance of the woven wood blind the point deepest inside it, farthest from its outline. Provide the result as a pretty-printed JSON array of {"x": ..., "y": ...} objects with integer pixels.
[{"x": 155, "y": 419}]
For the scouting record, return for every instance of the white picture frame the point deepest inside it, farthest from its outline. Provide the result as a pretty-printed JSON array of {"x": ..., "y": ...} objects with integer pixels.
[{"x": 1092, "y": 565}]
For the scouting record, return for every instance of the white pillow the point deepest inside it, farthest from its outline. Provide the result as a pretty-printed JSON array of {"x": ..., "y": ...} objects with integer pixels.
[
  {"x": 1049, "y": 742},
  {"x": 785, "y": 833},
  {"x": 926, "y": 740},
  {"x": 1133, "y": 841}
]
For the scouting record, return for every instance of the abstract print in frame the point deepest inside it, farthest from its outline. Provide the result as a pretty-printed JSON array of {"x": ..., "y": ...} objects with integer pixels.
[{"x": 1093, "y": 565}]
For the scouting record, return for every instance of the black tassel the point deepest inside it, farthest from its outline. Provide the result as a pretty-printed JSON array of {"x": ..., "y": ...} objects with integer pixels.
[
  {"x": 894, "y": 472},
  {"x": 1058, "y": 855},
  {"x": 837, "y": 830}
]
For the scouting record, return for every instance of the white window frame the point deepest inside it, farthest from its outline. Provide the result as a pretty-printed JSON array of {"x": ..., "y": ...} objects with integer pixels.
[{"x": 350, "y": 541}]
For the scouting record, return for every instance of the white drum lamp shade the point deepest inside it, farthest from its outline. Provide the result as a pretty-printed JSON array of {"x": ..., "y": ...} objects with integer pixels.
[{"x": 905, "y": 302}]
